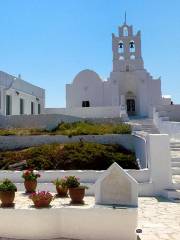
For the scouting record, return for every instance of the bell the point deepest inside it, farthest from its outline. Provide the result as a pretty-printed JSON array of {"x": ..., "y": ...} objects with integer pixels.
[
  {"x": 120, "y": 45},
  {"x": 131, "y": 44}
]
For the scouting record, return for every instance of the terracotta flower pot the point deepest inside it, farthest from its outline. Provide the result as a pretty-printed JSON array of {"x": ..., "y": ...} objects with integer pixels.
[
  {"x": 42, "y": 203},
  {"x": 62, "y": 192},
  {"x": 30, "y": 185},
  {"x": 7, "y": 198},
  {"x": 77, "y": 194}
]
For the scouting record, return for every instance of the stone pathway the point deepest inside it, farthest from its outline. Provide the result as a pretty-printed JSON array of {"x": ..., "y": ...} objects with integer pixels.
[{"x": 158, "y": 218}]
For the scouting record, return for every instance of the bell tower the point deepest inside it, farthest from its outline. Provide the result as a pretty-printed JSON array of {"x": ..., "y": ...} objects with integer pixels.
[{"x": 126, "y": 49}]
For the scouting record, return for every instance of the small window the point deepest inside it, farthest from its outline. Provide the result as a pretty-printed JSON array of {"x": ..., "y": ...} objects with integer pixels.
[
  {"x": 85, "y": 104},
  {"x": 39, "y": 108},
  {"x": 21, "y": 106},
  {"x": 125, "y": 31},
  {"x": 8, "y": 105},
  {"x": 32, "y": 108}
]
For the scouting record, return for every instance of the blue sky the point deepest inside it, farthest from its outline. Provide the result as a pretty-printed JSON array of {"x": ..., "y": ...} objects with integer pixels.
[{"x": 49, "y": 41}]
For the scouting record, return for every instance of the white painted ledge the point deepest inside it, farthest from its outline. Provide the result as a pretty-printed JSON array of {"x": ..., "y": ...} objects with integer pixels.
[{"x": 90, "y": 222}]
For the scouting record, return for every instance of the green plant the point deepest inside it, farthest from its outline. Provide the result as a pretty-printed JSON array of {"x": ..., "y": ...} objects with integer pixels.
[
  {"x": 72, "y": 182},
  {"x": 30, "y": 175},
  {"x": 76, "y": 156},
  {"x": 7, "y": 185},
  {"x": 60, "y": 182}
]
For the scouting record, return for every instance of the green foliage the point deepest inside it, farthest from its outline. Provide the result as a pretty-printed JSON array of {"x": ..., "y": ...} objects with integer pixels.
[
  {"x": 73, "y": 129},
  {"x": 7, "y": 185},
  {"x": 89, "y": 128},
  {"x": 60, "y": 182},
  {"x": 30, "y": 175},
  {"x": 81, "y": 155},
  {"x": 72, "y": 182}
]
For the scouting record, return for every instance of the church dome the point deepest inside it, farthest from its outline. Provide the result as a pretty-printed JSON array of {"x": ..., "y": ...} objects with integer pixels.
[{"x": 86, "y": 75}]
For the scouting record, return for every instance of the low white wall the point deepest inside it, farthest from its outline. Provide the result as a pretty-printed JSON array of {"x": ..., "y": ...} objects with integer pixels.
[
  {"x": 166, "y": 127},
  {"x": 35, "y": 121},
  {"x": 172, "y": 111},
  {"x": 90, "y": 223},
  {"x": 17, "y": 142},
  {"x": 87, "y": 177},
  {"x": 140, "y": 150},
  {"x": 88, "y": 112}
]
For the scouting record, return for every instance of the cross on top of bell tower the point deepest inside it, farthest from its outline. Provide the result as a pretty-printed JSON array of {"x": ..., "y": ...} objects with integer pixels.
[{"x": 126, "y": 49}]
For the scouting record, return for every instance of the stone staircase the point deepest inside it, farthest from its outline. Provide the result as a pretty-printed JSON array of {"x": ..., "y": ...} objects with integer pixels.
[
  {"x": 174, "y": 193},
  {"x": 147, "y": 125}
]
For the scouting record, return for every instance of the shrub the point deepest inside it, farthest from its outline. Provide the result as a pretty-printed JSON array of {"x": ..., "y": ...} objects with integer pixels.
[
  {"x": 73, "y": 129},
  {"x": 60, "y": 182},
  {"x": 7, "y": 185},
  {"x": 72, "y": 182},
  {"x": 80, "y": 155}
]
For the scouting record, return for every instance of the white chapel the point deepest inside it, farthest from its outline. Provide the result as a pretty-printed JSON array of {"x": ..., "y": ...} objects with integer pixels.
[{"x": 129, "y": 81}]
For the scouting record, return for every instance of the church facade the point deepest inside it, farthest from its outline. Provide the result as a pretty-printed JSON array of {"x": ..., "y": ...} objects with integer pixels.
[{"x": 129, "y": 80}]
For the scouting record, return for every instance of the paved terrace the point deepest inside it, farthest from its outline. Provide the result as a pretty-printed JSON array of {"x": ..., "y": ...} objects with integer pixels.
[{"x": 159, "y": 219}]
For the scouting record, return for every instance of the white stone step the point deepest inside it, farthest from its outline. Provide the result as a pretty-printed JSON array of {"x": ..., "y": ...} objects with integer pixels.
[
  {"x": 164, "y": 118},
  {"x": 172, "y": 194},
  {"x": 175, "y": 158},
  {"x": 175, "y": 164},
  {"x": 175, "y": 170},
  {"x": 176, "y": 186},
  {"x": 175, "y": 149},
  {"x": 162, "y": 113},
  {"x": 176, "y": 179}
]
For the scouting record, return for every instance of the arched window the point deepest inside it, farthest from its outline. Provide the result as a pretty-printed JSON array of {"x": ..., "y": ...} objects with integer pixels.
[
  {"x": 132, "y": 46},
  {"x": 132, "y": 57},
  {"x": 125, "y": 31},
  {"x": 121, "y": 47}
]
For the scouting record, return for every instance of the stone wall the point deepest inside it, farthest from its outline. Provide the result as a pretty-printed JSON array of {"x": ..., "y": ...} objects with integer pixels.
[
  {"x": 18, "y": 142},
  {"x": 35, "y": 121},
  {"x": 87, "y": 112}
]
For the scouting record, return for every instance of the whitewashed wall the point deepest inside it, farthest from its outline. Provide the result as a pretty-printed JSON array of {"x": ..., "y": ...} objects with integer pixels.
[
  {"x": 73, "y": 222},
  {"x": 167, "y": 127},
  {"x": 15, "y": 100},
  {"x": 17, "y": 142},
  {"x": 88, "y": 112},
  {"x": 35, "y": 121}
]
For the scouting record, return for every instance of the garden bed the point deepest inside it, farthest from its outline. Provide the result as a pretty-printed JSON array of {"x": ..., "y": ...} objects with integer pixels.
[
  {"x": 72, "y": 129},
  {"x": 76, "y": 156}
]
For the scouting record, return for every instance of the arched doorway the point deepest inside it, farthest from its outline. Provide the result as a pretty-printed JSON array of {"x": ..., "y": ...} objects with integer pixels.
[{"x": 131, "y": 103}]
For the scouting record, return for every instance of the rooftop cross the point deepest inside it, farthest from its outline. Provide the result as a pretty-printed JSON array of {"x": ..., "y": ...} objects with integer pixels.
[{"x": 125, "y": 18}]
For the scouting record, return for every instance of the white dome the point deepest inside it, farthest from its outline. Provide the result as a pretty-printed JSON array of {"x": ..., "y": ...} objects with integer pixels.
[{"x": 86, "y": 75}]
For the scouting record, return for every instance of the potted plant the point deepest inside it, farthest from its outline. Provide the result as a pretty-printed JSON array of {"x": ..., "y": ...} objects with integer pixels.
[
  {"x": 76, "y": 191},
  {"x": 61, "y": 187},
  {"x": 7, "y": 193},
  {"x": 41, "y": 199},
  {"x": 30, "y": 180}
]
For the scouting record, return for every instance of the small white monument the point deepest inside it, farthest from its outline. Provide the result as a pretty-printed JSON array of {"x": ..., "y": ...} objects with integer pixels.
[{"x": 116, "y": 187}]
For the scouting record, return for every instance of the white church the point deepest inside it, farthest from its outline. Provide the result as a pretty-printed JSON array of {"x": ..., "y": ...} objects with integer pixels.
[
  {"x": 128, "y": 79},
  {"x": 129, "y": 90}
]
